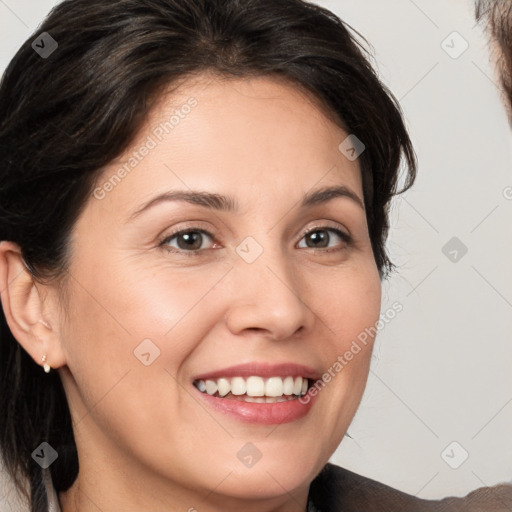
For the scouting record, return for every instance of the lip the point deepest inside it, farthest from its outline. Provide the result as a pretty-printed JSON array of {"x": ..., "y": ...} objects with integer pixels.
[
  {"x": 263, "y": 414},
  {"x": 257, "y": 413},
  {"x": 262, "y": 370}
]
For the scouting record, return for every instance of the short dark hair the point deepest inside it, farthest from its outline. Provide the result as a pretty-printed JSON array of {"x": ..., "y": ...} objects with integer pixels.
[
  {"x": 496, "y": 15},
  {"x": 64, "y": 117}
]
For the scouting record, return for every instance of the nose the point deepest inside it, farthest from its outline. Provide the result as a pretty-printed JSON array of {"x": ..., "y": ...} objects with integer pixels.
[{"x": 267, "y": 296}]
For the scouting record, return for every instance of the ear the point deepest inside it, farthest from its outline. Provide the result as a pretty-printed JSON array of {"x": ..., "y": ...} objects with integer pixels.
[{"x": 30, "y": 308}]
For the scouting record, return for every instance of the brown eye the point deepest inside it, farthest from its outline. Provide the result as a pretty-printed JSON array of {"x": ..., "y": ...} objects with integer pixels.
[
  {"x": 319, "y": 238},
  {"x": 189, "y": 240}
]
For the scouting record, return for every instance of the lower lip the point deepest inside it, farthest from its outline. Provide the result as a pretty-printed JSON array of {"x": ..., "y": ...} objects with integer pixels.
[{"x": 264, "y": 414}]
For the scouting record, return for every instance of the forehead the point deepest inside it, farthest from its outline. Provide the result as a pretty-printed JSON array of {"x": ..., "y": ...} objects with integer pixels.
[
  {"x": 217, "y": 89},
  {"x": 252, "y": 135}
]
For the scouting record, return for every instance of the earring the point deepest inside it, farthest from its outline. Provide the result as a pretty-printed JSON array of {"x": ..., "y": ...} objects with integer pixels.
[{"x": 46, "y": 366}]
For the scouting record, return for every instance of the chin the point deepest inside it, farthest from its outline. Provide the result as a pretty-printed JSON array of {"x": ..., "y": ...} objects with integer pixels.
[
  {"x": 275, "y": 473},
  {"x": 258, "y": 484}
]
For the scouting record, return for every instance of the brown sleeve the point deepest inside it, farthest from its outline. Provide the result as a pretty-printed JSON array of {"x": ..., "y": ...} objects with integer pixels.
[
  {"x": 336, "y": 489},
  {"x": 486, "y": 499}
]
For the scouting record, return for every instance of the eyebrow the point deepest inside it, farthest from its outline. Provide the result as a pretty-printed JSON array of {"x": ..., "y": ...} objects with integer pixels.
[{"x": 227, "y": 203}]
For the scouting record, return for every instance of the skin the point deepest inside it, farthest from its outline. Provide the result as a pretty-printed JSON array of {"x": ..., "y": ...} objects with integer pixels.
[{"x": 144, "y": 440}]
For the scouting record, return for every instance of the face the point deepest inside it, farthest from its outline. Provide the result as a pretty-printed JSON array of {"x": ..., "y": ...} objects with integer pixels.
[{"x": 257, "y": 290}]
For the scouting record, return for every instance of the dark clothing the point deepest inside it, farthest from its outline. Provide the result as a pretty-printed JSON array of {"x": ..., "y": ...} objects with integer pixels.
[{"x": 338, "y": 490}]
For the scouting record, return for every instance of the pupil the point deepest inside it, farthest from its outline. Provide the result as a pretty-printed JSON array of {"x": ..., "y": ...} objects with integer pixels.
[
  {"x": 190, "y": 238},
  {"x": 323, "y": 236}
]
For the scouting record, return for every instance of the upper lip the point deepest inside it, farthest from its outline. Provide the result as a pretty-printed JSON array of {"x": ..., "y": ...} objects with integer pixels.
[{"x": 262, "y": 370}]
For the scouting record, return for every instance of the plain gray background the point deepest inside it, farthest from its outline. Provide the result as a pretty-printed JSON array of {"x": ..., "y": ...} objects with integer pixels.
[{"x": 441, "y": 370}]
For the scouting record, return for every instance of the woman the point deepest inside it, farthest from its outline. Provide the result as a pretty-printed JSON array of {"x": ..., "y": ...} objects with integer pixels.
[{"x": 194, "y": 201}]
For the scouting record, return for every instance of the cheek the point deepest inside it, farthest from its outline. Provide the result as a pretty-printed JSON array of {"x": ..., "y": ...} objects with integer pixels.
[
  {"x": 124, "y": 348},
  {"x": 349, "y": 303},
  {"x": 142, "y": 324},
  {"x": 122, "y": 309},
  {"x": 351, "y": 310}
]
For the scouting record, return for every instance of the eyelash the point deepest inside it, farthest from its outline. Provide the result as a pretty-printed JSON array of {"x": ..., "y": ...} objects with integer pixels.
[{"x": 344, "y": 236}]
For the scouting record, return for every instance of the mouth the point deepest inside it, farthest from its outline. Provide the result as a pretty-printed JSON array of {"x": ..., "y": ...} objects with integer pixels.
[
  {"x": 259, "y": 393},
  {"x": 255, "y": 389}
]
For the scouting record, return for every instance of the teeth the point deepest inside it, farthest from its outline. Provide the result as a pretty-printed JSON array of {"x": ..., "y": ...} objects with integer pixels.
[
  {"x": 211, "y": 387},
  {"x": 288, "y": 386},
  {"x": 297, "y": 386},
  {"x": 257, "y": 400},
  {"x": 238, "y": 386},
  {"x": 274, "y": 386},
  {"x": 223, "y": 387},
  {"x": 254, "y": 388}
]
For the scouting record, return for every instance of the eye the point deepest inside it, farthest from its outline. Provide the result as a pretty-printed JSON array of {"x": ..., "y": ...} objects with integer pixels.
[
  {"x": 191, "y": 240},
  {"x": 187, "y": 240},
  {"x": 319, "y": 237}
]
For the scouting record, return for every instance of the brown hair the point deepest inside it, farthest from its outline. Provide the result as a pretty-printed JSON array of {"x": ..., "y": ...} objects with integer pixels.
[{"x": 497, "y": 18}]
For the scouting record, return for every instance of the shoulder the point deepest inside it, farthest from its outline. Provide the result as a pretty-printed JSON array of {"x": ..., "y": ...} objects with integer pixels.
[{"x": 336, "y": 489}]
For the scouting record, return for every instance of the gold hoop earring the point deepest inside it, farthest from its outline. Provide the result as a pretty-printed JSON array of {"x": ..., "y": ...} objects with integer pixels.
[{"x": 46, "y": 366}]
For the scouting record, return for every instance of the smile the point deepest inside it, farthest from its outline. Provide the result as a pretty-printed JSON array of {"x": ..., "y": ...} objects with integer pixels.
[
  {"x": 255, "y": 389},
  {"x": 258, "y": 392}
]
